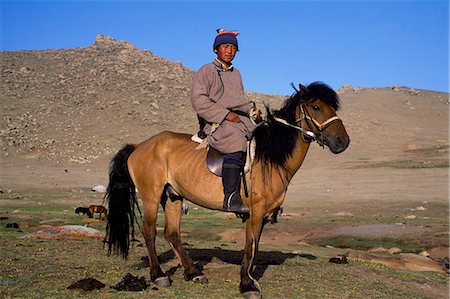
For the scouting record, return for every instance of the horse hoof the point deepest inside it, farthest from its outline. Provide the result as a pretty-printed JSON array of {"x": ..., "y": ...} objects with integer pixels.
[
  {"x": 200, "y": 279},
  {"x": 252, "y": 295},
  {"x": 163, "y": 281}
]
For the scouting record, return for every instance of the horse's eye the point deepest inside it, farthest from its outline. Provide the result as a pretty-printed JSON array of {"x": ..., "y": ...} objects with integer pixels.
[{"x": 316, "y": 108}]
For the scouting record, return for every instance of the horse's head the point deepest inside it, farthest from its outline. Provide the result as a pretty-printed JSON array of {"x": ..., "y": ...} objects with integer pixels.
[
  {"x": 309, "y": 115},
  {"x": 316, "y": 112}
]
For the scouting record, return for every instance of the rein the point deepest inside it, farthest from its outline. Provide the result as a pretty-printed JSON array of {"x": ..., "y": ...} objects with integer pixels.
[{"x": 284, "y": 122}]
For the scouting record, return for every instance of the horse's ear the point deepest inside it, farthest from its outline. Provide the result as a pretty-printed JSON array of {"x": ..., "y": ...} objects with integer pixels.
[{"x": 302, "y": 88}]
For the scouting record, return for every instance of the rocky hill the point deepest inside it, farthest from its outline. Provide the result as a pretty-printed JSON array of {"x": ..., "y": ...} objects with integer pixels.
[{"x": 79, "y": 105}]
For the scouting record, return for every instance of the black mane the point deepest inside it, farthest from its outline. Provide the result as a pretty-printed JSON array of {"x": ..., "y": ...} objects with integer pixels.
[{"x": 275, "y": 142}]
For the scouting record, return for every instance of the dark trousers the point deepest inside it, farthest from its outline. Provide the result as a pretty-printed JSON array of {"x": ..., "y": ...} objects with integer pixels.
[{"x": 236, "y": 158}]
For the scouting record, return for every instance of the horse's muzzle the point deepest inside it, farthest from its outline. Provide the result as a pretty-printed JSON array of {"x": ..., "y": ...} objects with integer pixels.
[{"x": 339, "y": 144}]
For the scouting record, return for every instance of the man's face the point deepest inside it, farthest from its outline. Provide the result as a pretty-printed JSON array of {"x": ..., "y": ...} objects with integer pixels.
[{"x": 226, "y": 53}]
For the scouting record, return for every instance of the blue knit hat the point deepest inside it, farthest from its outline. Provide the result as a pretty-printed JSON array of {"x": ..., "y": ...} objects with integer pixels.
[{"x": 225, "y": 37}]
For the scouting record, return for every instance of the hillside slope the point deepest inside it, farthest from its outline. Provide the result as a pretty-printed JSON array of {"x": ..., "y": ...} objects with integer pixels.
[
  {"x": 79, "y": 106},
  {"x": 82, "y": 104}
]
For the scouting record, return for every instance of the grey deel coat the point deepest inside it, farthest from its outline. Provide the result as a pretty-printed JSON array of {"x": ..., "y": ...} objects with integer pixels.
[{"x": 214, "y": 92}]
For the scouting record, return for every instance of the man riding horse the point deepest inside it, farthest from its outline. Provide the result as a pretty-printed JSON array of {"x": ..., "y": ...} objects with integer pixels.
[
  {"x": 160, "y": 168},
  {"x": 217, "y": 95}
]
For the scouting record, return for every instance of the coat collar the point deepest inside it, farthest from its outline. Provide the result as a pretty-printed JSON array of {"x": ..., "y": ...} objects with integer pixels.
[{"x": 222, "y": 66}]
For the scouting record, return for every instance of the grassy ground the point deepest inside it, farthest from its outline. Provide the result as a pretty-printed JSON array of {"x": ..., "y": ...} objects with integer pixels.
[{"x": 44, "y": 268}]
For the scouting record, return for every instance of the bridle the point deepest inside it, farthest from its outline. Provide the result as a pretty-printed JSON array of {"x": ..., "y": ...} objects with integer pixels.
[{"x": 305, "y": 117}]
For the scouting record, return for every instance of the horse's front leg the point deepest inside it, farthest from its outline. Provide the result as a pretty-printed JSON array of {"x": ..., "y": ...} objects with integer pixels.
[
  {"x": 172, "y": 209},
  {"x": 249, "y": 286}
]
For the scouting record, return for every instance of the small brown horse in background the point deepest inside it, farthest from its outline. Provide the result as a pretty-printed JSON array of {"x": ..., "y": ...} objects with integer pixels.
[
  {"x": 99, "y": 210},
  {"x": 167, "y": 168}
]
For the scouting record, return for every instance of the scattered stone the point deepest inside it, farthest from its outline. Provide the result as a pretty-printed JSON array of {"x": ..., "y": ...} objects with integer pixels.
[
  {"x": 378, "y": 249},
  {"x": 87, "y": 284},
  {"x": 410, "y": 217},
  {"x": 343, "y": 214},
  {"x": 346, "y": 87},
  {"x": 131, "y": 283},
  {"x": 421, "y": 208},
  {"x": 99, "y": 189},
  {"x": 424, "y": 253},
  {"x": 412, "y": 91},
  {"x": 217, "y": 260},
  {"x": 394, "y": 250}
]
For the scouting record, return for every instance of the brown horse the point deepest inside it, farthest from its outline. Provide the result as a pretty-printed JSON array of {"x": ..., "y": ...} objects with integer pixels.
[
  {"x": 168, "y": 168},
  {"x": 101, "y": 210}
]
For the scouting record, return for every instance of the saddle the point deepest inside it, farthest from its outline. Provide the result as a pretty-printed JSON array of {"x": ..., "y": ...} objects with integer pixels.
[{"x": 214, "y": 158}]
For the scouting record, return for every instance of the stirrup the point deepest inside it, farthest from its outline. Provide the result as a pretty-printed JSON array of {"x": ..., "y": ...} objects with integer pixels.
[
  {"x": 235, "y": 205},
  {"x": 238, "y": 210}
]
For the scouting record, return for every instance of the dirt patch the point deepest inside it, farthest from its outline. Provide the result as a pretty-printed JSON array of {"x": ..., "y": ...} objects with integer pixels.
[
  {"x": 278, "y": 236},
  {"x": 375, "y": 230},
  {"x": 402, "y": 261}
]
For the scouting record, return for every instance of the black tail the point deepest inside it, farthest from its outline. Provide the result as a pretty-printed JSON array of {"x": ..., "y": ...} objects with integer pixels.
[{"x": 122, "y": 200}]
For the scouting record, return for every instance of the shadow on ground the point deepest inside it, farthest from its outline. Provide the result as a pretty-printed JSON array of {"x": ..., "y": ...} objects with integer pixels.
[{"x": 203, "y": 257}]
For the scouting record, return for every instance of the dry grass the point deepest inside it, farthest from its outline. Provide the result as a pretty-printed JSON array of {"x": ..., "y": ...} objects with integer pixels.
[{"x": 44, "y": 268}]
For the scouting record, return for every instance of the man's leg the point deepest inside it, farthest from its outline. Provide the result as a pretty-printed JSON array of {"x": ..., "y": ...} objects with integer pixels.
[{"x": 232, "y": 167}]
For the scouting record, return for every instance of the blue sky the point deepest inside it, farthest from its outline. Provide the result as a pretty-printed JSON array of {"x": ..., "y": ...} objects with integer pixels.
[{"x": 363, "y": 43}]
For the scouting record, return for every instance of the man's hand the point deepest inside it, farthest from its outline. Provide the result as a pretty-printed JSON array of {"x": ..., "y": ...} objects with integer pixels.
[
  {"x": 256, "y": 116},
  {"x": 233, "y": 117}
]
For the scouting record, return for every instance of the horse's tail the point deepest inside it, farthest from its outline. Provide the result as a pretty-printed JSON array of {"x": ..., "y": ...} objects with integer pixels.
[{"x": 121, "y": 199}]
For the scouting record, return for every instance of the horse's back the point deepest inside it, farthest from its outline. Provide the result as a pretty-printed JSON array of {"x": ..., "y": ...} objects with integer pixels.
[{"x": 161, "y": 152}]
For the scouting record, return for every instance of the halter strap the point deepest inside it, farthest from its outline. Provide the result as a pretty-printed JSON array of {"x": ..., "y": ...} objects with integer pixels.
[
  {"x": 305, "y": 116},
  {"x": 320, "y": 126}
]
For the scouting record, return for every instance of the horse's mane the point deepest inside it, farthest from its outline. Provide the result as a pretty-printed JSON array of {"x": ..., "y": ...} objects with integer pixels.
[{"x": 275, "y": 142}]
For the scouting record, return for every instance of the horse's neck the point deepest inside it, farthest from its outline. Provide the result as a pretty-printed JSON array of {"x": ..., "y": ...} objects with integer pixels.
[
  {"x": 296, "y": 160},
  {"x": 298, "y": 155}
]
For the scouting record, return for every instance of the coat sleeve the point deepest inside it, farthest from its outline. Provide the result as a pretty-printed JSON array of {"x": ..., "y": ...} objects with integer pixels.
[{"x": 201, "y": 98}]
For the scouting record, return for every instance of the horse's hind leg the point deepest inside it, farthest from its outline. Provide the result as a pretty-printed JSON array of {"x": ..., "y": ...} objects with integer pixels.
[
  {"x": 172, "y": 208},
  {"x": 149, "y": 232}
]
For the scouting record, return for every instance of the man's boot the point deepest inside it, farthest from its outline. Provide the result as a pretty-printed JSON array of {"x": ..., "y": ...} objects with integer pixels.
[{"x": 231, "y": 180}]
